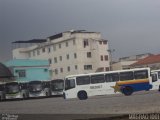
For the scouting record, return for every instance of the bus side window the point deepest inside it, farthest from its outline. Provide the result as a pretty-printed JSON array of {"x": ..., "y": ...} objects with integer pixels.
[
  {"x": 126, "y": 76},
  {"x": 69, "y": 84},
  {"x": 142, "y": 74},
  {"x": 154, "y": 77},
  {"x": 84, "y": 80},
  {"x": 97, "y": 79},
  {"x": 113, "y": 77},
  {"x": 158, "y": 75}
]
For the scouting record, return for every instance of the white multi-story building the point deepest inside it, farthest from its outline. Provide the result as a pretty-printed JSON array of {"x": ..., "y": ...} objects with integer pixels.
[{"x": 70, "y": 52}]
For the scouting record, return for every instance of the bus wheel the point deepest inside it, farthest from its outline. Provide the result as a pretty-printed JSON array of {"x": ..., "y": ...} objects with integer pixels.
[
  {"x": 64, "y": 95},
  {"x": 82, "y": 95},
  {"x": 24, "y": 96},
  {"x": 47, "y": 94},
  {"x": 127, "y": 90},
  {"x": 159, "y": 88}
]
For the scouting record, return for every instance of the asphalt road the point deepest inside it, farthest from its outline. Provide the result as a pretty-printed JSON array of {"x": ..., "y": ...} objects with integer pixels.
[{"x": 140, "y": 102}]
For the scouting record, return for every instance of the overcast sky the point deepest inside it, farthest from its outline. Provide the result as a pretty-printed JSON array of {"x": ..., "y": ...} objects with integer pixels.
[{"x": 131, "y": 26}]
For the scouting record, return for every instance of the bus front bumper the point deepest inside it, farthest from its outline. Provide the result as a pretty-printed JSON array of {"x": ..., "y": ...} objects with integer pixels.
[
  {"x": 37, "y": 94},
  {"x": 13, "y": 96}
]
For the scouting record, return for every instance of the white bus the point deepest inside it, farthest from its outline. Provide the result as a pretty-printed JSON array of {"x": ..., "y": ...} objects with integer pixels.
[
  {"x": 57, "y": 87},
  {"x": 156, "y": 79},
  {"x": 16, "y": 90},
  {"x": 39, "y": 88},
  {"x": 125, "y": 81}
]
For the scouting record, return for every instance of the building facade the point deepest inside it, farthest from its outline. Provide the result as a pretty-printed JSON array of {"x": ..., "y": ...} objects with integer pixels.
[
  {"x": 126, "y": 62},
  {"x": 152, "y": 61},
  {"x": 25, "y": 70},
  {"x": 70, "y": 52},
  {"x": 122, "y": 65}
]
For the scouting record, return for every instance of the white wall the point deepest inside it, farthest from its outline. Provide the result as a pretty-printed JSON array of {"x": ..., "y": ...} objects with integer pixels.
[{"x": 94, "y": 47}]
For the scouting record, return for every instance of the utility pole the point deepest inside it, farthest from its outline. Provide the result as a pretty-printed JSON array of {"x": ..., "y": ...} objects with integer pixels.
[{"x": 110, "y": 56}]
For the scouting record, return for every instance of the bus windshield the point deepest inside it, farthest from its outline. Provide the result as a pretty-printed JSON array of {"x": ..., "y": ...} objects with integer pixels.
[
  {"x": 24, "y": 86},
  {"x": 35, "y": 86},
  {"x": 69, "y": 84},
  {"x": 12, "y": 88},
  {"x": 57, "y": 85},
  {"x": 1, "y": 87}
]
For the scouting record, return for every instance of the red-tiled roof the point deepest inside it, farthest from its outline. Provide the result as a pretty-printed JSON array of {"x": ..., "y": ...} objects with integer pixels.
[{"x": 148, "y": 60}]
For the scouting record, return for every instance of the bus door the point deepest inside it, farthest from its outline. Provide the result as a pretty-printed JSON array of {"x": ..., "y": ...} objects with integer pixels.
[
  {"x": 111, "y": 79},
  {"x": 70, "y": 91},
  {"x": 155, "y": 81}
]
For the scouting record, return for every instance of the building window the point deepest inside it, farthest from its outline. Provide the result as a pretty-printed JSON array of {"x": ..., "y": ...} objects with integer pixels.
[
  {"x": 89, "y": 55},
  {"x": 54, "y": 47},
  {"x": 76, "y": 67},
  {"x": 75, "y": 55},
  {"x": 43, "y": 50},
  {"x": 105, "y": 42},
  {"x": 49, "y": 49},
  {"x": 85, "y": 43},
  {"x": 45, "y": 70},
  {"x": 21, "y": 73},
  {"x": 106, "y": 68},
  {"x": 56, "y": 71},
  {"x": 60, "y": 58},
  {"x": 106, "y": 57},
  {"x": 100, "y": 42},
  {"x": 61, "y": 70},
  {"x": 38, "y": 52},
  {"x": 74, "y": 42},
  {"x": 67, "y": 56},
  {"x": 101, "y": 57},
  {"x": 59, "y": 46},
  {"x": 68, "y": 68},
  {"x": 29, "y": 54},
  {"x": 87, "y": 67},
  {"x": 55, "y": 60},
  {"x": 50, "y": 61},
  {"x": 33, "y": 53},
  {"x": 66, "y": 44}
]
